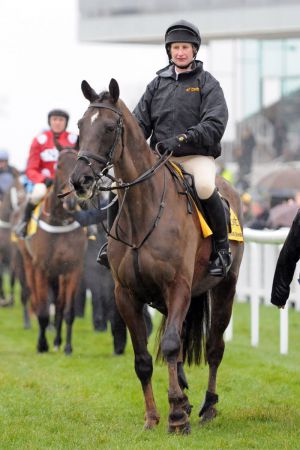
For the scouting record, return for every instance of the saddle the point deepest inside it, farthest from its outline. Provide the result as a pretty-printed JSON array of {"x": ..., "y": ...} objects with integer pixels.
[{"x": 186, "y": 181}]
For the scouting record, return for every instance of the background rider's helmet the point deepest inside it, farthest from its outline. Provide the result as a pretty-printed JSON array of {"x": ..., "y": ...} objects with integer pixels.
[
  {"x": 60, "y": 113},
  {"x": 182, "y": 31},
  {"x": 3, "y": 155}
]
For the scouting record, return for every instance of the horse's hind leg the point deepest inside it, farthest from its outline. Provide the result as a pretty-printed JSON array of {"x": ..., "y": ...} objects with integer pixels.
[
  {"x": 221, "y": 306},
  {"x": 67, "y": 292},
  {"x": 178, "y": 304},
  {"x": 132, "y": 313}
]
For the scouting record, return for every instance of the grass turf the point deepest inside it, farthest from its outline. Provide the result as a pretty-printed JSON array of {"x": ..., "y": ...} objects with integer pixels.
[{"x": 93, "y": 400}]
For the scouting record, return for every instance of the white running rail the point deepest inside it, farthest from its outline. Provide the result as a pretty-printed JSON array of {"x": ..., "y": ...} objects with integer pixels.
[{"x": 262, "y": 248}]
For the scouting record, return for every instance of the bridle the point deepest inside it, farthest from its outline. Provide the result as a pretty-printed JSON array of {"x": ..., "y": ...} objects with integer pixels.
[{"x": 89, "y": 158}]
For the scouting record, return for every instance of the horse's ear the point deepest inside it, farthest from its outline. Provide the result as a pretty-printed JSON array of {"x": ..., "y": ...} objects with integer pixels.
[
  {"x": 88, "y": 92},
  {"x": 114, "y": 90}
]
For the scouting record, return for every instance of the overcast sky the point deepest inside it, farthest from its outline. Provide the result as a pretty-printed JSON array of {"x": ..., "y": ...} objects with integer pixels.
[{"x": 43, "y": 64}]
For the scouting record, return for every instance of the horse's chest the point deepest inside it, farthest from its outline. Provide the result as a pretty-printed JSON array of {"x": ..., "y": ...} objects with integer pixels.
[{"x": 143, "y": 272}]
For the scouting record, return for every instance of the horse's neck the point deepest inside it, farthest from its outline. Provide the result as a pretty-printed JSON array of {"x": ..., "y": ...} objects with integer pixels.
[
  {"x": 53, "y": 209},
  {"x": 136, "y": 157},
  {"x": 143, "y": 199}
]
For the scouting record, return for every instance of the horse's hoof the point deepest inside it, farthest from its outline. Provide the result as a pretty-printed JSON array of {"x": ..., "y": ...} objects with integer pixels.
[
  {"x": 209, "y": 415},
  {"x": 179, "y": 423},
  {"x": 42, "y": 348},
  {"x": 180, "y": 428},
  {"x": 151, "y": 422},
  {"x": 68, "y": 350},
  {"x": 56, "y": 348},
  {"x": 27, "y": 326},
  {"x": 57, "y": 343}
]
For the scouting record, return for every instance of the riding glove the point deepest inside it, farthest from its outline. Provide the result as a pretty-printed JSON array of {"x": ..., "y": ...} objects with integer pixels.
[{"x": 174, "y": 144}]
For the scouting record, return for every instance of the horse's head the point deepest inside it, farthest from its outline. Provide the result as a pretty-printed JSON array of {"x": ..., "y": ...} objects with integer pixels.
[{"x": 100, "y": 138}]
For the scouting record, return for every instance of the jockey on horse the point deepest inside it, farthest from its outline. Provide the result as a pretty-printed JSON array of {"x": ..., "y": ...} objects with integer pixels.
[
  {"x": 41, "y": 164},
  {"x": 183, "y": 110}
]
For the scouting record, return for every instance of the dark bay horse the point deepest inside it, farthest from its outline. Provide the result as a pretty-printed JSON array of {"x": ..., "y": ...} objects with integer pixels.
[
  {"x": 54, "y": 257},
  {"x": 157, "y": 253}
]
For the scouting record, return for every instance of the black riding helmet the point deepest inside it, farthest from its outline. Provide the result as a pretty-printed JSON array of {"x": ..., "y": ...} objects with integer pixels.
[
  {"x": 59, "y": 113},
  {"x": 182, "y": 31}
]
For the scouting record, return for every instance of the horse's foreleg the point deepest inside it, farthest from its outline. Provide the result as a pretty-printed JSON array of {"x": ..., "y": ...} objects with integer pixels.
[
  {"x": 25, "y": 294},
  {"x": 132, "y": 313},
  {"x": 221, "y": 307},
  {"x": 12, "y": 282},
  {"x": 178, "y": 302},
  {"x": 41, "y": 308},
  {"x": 59, "y": 313},
  {"x": 2, "y": 295}
]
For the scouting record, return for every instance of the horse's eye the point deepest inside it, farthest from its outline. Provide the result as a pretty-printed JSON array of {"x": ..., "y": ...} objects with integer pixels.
[{"x": 109, "y": 129}]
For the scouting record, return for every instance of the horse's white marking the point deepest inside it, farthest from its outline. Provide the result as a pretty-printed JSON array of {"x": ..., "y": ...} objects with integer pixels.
[{"x": 94, "y": 116}]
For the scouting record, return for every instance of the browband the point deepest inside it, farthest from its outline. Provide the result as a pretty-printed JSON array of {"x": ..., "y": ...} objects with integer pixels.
[{"x": 104, "y": 105}]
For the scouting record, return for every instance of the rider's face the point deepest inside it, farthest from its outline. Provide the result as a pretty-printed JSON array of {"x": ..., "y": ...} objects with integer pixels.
[
  {"x": 57, "y": 124},
  {"x": 182, "y": 53}
]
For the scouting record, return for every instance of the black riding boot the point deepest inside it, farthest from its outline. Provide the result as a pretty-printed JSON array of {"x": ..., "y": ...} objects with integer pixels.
[
  {"x": 220, "y": 260},
  {"x": 111, "y": 215},
  {"x": 21, "y": 228}
]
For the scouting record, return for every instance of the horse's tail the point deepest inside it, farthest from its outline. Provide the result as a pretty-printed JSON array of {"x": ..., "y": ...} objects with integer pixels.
[{"x": 194, "y": 332}]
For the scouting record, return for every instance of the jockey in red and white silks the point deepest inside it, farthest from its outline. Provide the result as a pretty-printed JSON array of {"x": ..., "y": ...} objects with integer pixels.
[{"x": 42, "y": 161}]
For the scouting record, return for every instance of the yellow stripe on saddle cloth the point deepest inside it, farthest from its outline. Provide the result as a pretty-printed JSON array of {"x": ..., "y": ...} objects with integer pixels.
[
  {"x": 33, "y": 223},
  {"x": 235, "y": 234}
]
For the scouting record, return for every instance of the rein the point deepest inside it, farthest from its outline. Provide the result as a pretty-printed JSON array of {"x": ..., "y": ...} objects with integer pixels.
[{"x": 88, "y": 156}]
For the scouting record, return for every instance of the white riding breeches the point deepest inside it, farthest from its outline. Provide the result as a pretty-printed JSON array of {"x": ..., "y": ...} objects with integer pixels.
[
  {"x": 38, "y": 192},
  {"x": 203, "y": 169}
]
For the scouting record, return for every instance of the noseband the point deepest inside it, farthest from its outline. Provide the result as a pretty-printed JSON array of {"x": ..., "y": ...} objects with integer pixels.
[{"x": 87, "y": 156}]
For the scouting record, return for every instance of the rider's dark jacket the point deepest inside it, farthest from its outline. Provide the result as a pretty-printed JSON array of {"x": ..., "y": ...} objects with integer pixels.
[
  {"x": 285, "y": 267},
  {"x": 174, "y": 103}
]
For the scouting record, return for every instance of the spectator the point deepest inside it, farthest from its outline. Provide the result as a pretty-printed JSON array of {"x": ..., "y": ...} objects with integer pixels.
[{"x": 260, "y": 211}]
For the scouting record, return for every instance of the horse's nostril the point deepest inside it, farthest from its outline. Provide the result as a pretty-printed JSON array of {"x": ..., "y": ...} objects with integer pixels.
[{"x": 86, "y": 180}]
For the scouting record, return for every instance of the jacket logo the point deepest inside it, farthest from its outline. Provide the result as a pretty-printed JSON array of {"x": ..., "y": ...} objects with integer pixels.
[{"x": 193, "y": 89}]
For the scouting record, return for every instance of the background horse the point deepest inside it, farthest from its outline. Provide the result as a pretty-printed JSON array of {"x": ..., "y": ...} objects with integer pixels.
[
  {"x": 157, "y": 253},
  {"x": 10, "y": 256},
  {"x": 54, "y": 257}
]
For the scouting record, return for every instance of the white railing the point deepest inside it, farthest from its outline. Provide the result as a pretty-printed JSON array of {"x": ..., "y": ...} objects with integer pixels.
[{"x": 262, "y": 248}]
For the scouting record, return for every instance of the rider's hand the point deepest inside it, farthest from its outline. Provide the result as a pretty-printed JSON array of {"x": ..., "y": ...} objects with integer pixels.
[
  {"x": 173, "y": 144},
  {"x": 48, "y": 182}
]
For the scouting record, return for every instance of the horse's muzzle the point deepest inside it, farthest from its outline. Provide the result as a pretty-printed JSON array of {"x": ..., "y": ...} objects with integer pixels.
[{"x": 84, "y": 185}]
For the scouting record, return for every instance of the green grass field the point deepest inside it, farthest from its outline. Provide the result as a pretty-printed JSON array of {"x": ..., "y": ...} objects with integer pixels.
[{"x": 93, "y": 400}]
